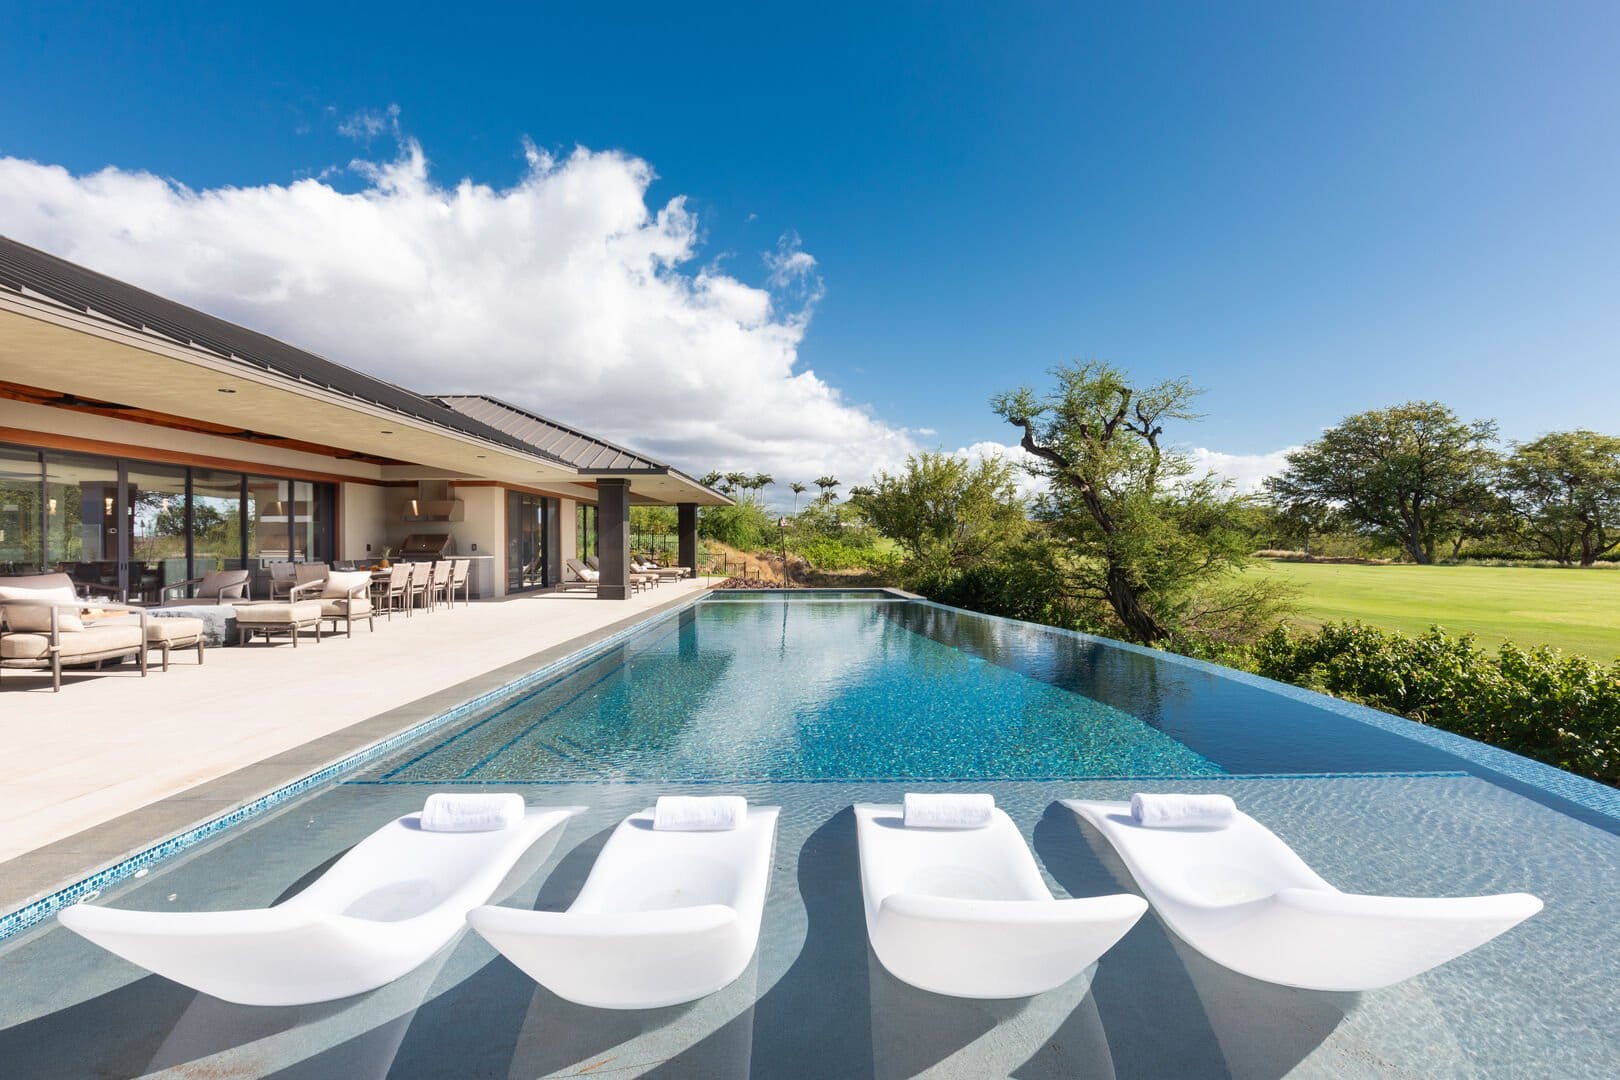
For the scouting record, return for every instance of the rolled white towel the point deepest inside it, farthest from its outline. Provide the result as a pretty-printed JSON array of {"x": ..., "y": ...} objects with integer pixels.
[
  {"x": 1181, "y": 811},
  {"x": 471, "y": 813},
  {"x": 948, "y": 811},
  {"x": 699, "y": 813}
]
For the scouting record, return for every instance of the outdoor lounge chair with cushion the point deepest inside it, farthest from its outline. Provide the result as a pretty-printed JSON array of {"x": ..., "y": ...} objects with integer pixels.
[
  {"x": 41, "y": 628},
  {"x": 583, "y": 576},
  {"x": 965, "y": 911},
  {"x": 668, "y": 573},
  {"x": 665, "y": 917},
  {"x": 1243, "y": 898},
  {"x": 216, "y": 585},
  {"x": 638, "y": 580},
  {"x": 345, "y": 596},
  {"x": 395, "y": 899}
]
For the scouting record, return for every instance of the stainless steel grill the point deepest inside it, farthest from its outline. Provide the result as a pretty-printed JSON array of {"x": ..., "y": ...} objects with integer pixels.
[{"x": 421, "y": 547}]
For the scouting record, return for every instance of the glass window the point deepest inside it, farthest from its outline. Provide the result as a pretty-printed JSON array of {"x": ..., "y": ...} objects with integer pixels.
[
  {"x": 312, "y": 521},
  {"x": 269, "y": 527},
  {"x": 22, "y": 544},
  {"x": 81, "y": 519},
  {"x": 216, "y": 521},
  {"x": 156, "y": 514},
  {"x": 585, "y": 530}
]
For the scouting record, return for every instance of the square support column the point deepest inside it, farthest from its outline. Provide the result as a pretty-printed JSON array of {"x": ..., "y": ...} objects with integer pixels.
[
  {"x": 686, "y": 535},
  {"x": 613, "y": 539}
]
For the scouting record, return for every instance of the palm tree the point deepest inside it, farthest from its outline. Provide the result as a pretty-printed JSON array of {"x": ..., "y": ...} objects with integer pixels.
[
  {"x": 827, "y": 484},
  {"x": 761, "y": 481},
  {"x": 797, "y": 489},
  {"x": 735, "y": 480},
  {"x": 711, "y": 479}
]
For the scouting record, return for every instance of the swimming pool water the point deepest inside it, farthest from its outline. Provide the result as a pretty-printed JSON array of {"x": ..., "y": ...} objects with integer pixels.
[
  {"x": 817, "y": 687},
  {"x": 822, "y": 689}
]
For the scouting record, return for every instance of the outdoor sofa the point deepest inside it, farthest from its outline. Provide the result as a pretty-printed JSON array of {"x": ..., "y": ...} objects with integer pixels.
[{"x": 41, "y": 628}]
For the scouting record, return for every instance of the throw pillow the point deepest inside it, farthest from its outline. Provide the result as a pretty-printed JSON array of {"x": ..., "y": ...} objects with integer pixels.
[{"x": 28, "y": 619}]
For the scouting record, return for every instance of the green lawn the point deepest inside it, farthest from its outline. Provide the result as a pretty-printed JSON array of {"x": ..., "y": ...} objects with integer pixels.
[{"x": 1575, "y": 610}]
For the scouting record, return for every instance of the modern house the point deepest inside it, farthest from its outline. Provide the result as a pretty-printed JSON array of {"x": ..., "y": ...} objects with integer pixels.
[{"x": 143, "y": 442}]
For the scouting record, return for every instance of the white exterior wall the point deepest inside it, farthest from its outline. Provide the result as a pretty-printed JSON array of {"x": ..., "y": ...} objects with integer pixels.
[
  {"x": 362, "y": 521},
  {"x": 483, "y": 530},
  {"x": 570, "y": 535}
]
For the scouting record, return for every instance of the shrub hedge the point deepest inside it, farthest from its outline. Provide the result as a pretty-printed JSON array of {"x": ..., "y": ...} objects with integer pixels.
[{"x": 1556, "y": 708}]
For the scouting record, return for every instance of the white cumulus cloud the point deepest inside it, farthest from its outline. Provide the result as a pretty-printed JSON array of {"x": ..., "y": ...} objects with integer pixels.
[
  {"x": 1247, "y": 472},
  {"x": 565, "y": 292}
]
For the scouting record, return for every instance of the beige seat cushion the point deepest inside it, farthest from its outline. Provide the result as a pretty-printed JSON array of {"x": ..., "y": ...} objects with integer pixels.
[
  {"x": 35, "y": 617},
  {"x": 180, "y": 628},
  {"x": 304, "y": 611},
  {"x": 83, "y": 643},
  {"x": 338, "y": 608}
]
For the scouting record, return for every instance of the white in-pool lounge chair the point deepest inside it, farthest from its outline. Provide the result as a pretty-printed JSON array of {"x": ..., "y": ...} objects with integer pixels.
[
  {"x": 1240, "y": 896},
  {"x": 965, "y": 912},
  {"x": 384, "y": 908},
  {"x": 664, "y": 918}
]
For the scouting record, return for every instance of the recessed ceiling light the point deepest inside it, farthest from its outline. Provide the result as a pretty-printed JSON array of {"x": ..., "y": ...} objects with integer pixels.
[
  {"x": 482, "y": 455},
  {"x": 387, "y": 433},
  {"x": 226, "y": 390}
]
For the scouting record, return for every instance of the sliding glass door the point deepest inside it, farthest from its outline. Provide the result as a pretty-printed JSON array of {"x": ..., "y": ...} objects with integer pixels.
[
  {"x": 528, "y": 555},
  {"x": 134, "y": 528}
]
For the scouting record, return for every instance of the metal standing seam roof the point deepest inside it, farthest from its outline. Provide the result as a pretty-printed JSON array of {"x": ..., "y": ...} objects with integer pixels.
[
  {"x": 587, "y": 453},
  {"x": 27, "y": 270}
]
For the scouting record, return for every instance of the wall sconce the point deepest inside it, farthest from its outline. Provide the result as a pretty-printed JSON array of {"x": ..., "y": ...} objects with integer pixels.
[
  {"x": 52, "y": 504},
  {"x": 414, "y": 511},
  {"x": 106, "y": 505}
]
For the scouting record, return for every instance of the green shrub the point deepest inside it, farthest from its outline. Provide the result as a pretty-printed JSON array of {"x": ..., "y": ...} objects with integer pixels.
[
  {"x": 1560, "y": 709},
  {"x": 744, "y": 526},
  {"x": 827, "y": 553}
]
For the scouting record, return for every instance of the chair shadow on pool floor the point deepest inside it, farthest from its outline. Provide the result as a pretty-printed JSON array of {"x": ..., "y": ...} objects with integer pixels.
[{"x": 1169, "y": 1010}]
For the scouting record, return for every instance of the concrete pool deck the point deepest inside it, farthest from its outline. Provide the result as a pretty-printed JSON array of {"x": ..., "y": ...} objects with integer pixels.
[{"x": 116, "y": 762}]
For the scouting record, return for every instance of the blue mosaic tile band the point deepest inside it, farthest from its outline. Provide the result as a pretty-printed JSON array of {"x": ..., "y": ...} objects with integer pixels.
[
  {"x": 734, "y": 780},
  {"x": 37, "y": 911}
]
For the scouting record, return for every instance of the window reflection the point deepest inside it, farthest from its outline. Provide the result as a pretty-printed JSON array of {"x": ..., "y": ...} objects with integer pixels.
[
  {"x": 22, "y": 544},
  {"x": 81, "y": 523},
  {"x": 156, "y": 512}
]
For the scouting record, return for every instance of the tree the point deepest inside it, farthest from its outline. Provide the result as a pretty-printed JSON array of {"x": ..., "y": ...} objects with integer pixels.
[
  {"x": 1152, "y": 544},
  {"x": 944, "y": 512},
  {"x": 1564, "y": 489},
  {"x": 797, "y": 489},
  {"x": 1413, "y": 474},
  {"x": 828, "y": 486}
]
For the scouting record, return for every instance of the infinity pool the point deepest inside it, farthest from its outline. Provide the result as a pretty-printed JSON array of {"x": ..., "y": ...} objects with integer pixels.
[{"x": 816, "y": 702}]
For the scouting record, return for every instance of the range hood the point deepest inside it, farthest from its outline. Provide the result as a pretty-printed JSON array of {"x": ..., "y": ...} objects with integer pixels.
[{"x": 432, "y": 502}]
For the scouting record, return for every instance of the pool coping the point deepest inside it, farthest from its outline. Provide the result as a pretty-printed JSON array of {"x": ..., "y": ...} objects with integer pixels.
[{"x": 41, "y": 882}]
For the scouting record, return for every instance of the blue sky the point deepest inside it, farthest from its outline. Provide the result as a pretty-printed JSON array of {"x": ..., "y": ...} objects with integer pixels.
[{"x": 1308, "y": 209}]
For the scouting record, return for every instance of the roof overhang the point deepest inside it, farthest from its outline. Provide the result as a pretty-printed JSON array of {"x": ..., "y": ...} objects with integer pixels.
[{"x": 45, "y": 345}]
